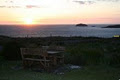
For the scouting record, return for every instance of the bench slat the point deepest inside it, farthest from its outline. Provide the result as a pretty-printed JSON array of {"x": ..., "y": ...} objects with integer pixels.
[{"x": 36, "y": 59}]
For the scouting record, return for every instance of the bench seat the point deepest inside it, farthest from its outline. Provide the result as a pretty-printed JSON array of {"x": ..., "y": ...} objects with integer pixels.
[{"x": 36, "y": 59}]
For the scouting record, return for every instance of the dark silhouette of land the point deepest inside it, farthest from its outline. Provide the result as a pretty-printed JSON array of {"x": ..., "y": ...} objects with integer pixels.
[
  {"x": 81, "y": 25},
  {"x": 112, "y": 26}
]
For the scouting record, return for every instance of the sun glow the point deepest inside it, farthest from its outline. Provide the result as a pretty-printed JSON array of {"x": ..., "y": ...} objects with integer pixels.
[
  {"x": 30, "y": 12},
  {"x": 28, "y": 21}
]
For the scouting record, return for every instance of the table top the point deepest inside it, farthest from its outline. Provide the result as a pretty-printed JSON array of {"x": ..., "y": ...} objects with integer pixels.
[{"x": 53, "y": 52}]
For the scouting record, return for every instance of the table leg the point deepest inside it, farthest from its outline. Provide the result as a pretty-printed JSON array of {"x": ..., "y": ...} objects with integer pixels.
[{"x": 55, "y": 60}]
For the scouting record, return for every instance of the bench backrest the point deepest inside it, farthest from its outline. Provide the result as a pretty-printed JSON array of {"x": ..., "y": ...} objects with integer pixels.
[{"x": 32, "y": 52}]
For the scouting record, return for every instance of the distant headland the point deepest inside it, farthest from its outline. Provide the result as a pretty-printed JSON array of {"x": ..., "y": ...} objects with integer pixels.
[
  {"x": 81, "y": 25},
  {"x": 112, "y": 26}
]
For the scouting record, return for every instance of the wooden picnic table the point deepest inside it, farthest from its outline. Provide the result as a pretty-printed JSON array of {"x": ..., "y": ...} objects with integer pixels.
[{"x": 56, "y": 57}]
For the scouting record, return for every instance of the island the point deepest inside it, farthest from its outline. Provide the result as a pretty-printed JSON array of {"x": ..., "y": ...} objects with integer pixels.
[
  {"x": 81, "y": 25},
  {"x": 113, "y": 26}
]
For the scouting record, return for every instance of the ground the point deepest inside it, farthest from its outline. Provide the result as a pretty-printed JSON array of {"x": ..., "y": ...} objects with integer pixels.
[
  {"x": 99, "y": 58},
  {"x": 86, "y": 73}
]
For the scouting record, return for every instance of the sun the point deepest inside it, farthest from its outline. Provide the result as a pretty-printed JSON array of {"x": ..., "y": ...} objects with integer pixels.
[{"x": 28, "y": 21}]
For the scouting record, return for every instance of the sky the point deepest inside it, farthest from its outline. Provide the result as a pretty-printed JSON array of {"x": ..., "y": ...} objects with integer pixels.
[{"x": 59, "y": 11}]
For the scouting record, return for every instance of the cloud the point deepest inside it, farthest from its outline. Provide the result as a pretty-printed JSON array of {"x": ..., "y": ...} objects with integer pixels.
[
  {"x": 32, "y": 6},
  {"x": 9, "y": 1},
  {"x": 109, "y": 0},
  {"x": 15, "y": 4},
  {"x": 26, "y": 6},
  {"x": 10, "y": 7},
  {"x": 2, "y": 6},
  {"x": 84, "y": 2},
  {"x": 81, "y": 2}
]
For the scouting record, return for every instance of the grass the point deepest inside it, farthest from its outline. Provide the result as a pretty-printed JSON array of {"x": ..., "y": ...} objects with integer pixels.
[
  {"x": 87, "y": 73},
  {"x": 99, "y": 57},
  {"x": 95, "y": 53}
]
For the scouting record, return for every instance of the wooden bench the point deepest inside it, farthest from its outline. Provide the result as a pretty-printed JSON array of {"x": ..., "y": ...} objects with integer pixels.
[
  {"x": 32, "y": 55},
  {"x": 44, "y": 58}
]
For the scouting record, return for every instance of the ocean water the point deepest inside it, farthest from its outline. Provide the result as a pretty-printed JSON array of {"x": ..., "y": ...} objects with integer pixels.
[{"x": 58, "y": 30}]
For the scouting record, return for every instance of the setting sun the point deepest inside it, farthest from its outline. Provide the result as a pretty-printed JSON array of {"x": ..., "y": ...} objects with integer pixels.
[{"x": 28, "y": 21}]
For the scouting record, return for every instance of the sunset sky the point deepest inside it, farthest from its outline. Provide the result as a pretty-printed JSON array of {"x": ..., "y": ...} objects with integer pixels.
[{"x": 59, "y": 11}]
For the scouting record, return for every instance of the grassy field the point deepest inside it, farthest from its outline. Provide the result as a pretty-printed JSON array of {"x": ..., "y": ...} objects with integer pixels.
[
  {"x": 87, "y": 73},
  {"x": 100, "y": 58}
]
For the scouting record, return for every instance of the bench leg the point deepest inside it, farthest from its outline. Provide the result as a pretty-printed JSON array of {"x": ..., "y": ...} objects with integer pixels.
[{"x": 24, "y": 64}]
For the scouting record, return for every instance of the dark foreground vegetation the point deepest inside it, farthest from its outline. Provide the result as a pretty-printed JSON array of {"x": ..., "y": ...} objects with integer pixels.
[
  {"x": 99, "y": 56},
  {"x": 79, "y": 50}
]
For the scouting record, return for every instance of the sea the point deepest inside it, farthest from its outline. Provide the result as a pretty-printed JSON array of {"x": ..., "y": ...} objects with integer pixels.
[{"x": 93, "y": 30}]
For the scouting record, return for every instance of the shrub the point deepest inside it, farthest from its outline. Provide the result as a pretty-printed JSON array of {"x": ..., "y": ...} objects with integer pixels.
[
  {"x": 11, "y": 51},
  {"x": 83, "y": 56},
  {"x": 93, "y": 54}
]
